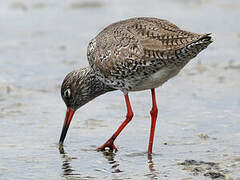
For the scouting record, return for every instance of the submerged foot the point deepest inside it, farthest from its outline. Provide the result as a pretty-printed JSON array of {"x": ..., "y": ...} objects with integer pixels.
[{"x": 109, "y": 144}]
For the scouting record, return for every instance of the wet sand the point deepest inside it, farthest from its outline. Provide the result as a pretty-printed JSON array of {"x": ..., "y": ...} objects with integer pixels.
[{"x": 197, "y": 134}]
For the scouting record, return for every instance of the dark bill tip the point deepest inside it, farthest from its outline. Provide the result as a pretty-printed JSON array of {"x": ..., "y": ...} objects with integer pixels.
[
  {"x": 68, "y": 118},
  {"x": 61, "y": 149}
]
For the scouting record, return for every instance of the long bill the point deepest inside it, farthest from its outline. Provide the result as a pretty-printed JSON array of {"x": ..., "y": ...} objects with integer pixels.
[{"x": 68, "y": 118}]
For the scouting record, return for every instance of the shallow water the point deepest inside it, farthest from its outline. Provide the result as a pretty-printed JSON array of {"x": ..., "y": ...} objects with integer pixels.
[{"x": 41, "y": 41}]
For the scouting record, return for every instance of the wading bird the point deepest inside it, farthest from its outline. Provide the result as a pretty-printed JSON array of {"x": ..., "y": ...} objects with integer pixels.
[{"x": 131, "y": 55}]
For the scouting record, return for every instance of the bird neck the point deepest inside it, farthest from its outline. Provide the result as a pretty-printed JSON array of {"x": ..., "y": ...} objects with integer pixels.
[{"x": 94, "y": 86}]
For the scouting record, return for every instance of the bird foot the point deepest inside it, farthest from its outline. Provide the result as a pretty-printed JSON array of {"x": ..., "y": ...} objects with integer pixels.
[{"x": 109, "y": 144}]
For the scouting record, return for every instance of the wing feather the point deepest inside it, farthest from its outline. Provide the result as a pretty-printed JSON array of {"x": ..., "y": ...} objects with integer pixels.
[{"x": 136, "y": 40}]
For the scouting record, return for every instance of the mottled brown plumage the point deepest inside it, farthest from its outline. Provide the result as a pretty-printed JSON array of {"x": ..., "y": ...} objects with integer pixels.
[
  {"x": 131, "y": 55},
  {"x": 128, "y": 52}
]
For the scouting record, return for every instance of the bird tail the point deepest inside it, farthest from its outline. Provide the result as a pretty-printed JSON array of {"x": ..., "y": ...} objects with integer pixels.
[
  {"x": 195, "y": 47},
  {"x": 201, "y": 43}
]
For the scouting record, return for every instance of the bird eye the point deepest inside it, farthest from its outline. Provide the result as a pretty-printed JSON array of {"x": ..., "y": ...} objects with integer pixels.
[{"x": 67, "y": 94}]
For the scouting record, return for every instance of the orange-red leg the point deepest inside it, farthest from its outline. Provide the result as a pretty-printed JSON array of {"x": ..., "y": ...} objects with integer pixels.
[
  {"x": 153, "y": 113},
  {"x": 129, "y": 116}
]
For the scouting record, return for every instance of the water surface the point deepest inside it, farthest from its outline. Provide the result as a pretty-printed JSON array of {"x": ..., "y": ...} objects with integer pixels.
[{"x": 41, "y": 41}]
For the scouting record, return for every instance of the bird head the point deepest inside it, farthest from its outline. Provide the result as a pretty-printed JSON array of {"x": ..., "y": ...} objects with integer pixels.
[
  {"x": 74, "y": 92},
  {"x": 78, "y": 88}
]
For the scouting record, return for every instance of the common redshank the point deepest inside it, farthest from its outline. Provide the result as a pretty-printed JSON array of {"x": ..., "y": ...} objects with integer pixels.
[{"x": 131, "y": 55}]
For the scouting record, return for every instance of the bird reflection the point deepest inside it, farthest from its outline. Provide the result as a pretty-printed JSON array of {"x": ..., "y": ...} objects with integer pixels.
[
  {"x": 110, "y": 156},
  {"x": 66, "y": 162},
  {"x": 151, "y": 167}
]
